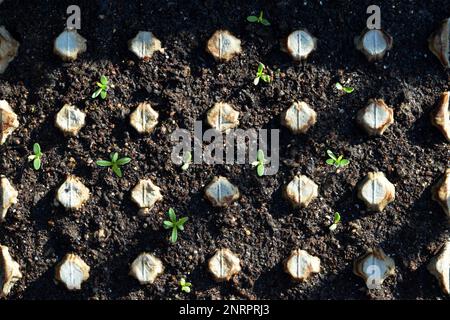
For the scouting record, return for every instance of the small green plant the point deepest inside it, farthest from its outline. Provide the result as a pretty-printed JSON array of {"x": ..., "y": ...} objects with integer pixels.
[
  {"x": 340, "y": 87},
  {"x": 103, "y": 88},
  {"x": 337, "y": 219},
  {"x": 336, "y": 161},
  {"x": 259, "y": 163},
  {"x": 185, "y": 286},
  {"x": 261, "y": 75},
  {"x": 36, "y": 156},
  {"x": 187, "y": 161},
  {"x": 259, "y": 19},
  {"x": 174, "y": 224},
  {"x": 115, "y": 163}
]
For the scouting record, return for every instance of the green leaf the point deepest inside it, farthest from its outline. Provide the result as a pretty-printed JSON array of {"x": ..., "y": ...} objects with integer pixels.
[
  {"x": 37, "y": 149},
  {"x": 330, "y": 162},
  {"x": 344, "y": 162},
  {"x": 167, "y": 224},
  {"x": 182, "y": 221},
  {"x": 343, "y": 88},
  {"x": 260, "y": 155},
  {"x": 265, "y": 22},
  {"x": 331, "y": 154},
  {"x": 256, "y": 81},
  {"x": 186, "y": 289},
  {"x": 117, "y": 170},
  {"x": 188, "y": 157},
  {"x": 337, "y": 218},
  {"x": 114, "y": 156},
  {"x": 104, "y": 163},
  {"x": 103, "y": 95},
  {"x": 339, "y": 159},
  {"x": 260, "y": 170},
  {"x": 100, "y": 85},
  {"x": 174, "y": 236},
  {"x": 123, "y": 161},
  {"x": 185, "y": 286},
  {"x": 37, "y": 164},
  {"x": 187, "y": 161},
  {"x": 104, "y": 80},
  {"x": 172, "y": 215},
  {"x": 265, "y": 78},
  {"x": 348, "y": 89},
  {"x": 96, "y": 93},
  {"x": 260, "y": 67},
  {"x": 252, "y": 19}
]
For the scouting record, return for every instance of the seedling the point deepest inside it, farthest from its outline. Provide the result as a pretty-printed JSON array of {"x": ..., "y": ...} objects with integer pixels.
[
  {"x": 36, "y": 157},
  {"x": 259, "y": 163},
  {"x": 103, "y": 88},
  {"x": 336, "y": 161},
  {"x": 115, "y": 163},
  {"x": 185, "y": 286},
  {"x": 261, "y": 75},
  {"x": 259, "y": 19},
  {"x": 337, "y": 219},
  {"x": 174, "y": 224},
  {"x": 340, "y": 87},
  {"x": 187, "y": 161}
]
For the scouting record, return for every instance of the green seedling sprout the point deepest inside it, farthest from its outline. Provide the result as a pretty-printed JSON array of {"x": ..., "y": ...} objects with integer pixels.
[
  {"x": 185, "y": 286},
  {"x": 336, "y": 161},
  {"x": 187, "y": 161},
  {"x": 36, "y": 156},
  {"x": 340, "y": 87},
  {"x": 103, "y": 88},
  {"x": 174, "y": 224},
  {"x": 259, "y": 163},
  {"x": 261, "y": 75},
  {"x": 115, "y": 163},
  {"x": 259, "y": 19},
  {"x": 337, "y": 219}
]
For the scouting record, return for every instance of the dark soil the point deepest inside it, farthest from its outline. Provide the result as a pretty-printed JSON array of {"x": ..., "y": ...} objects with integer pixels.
[{"x": 182, "y": 84}]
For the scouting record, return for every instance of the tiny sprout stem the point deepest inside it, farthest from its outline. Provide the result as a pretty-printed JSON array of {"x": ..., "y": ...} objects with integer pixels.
[
  {"x": 103, "y": 88},
  {"x": 115, "y": 163},
  {"x": 341, "y": 87},
  {"x": 260, "y": 74},
  {"x": 174, "y": 224},
  {"x": 336, "y": 161},
  {"x": 186, "y": 161},
  {"x": 36, "y": 156},
  {"x": 336, "y": 221},
  {"x": 259, "y": 163}
]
